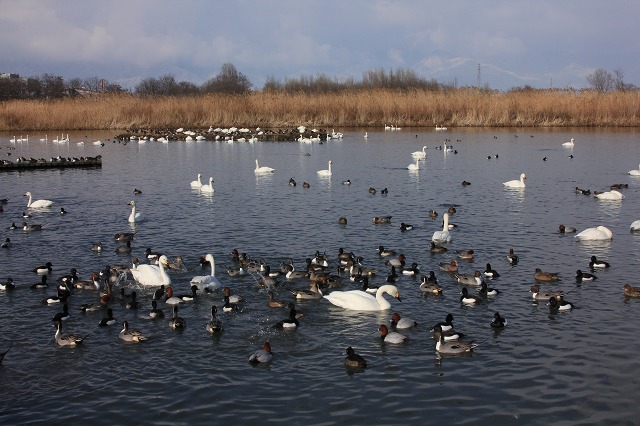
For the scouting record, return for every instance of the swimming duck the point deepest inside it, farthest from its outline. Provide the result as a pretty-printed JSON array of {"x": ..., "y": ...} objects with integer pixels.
[
  {"x": 498, "y": 321},
  {"x": 232, "y": 298},
  {"x": 445, "y": 325},
  {"x": 412, "y": 270},
  {"x": 62, "y": 316},
  {"x": 123, "y": 237},
  {"x": 133, "y": 303},
  {"x": 490, "y": 273},
  {"x": 170, "y": 299},
  {"x": 559, "y": 304},
  {"x": 358, "y": 300},
  {"x": 42, "y": 284},
  {"x": 465, "y": 183},
  {"x": 397, "y": 261},
  {"x": 314, "y": 293},
  {"x": 131, "y": 336},
  {"x": 346, "y": 182},
  {"x": 402, "y": 323},
  {"x": 385, "y": 252},
  {"x": 126, "y": 248},
  {"x": 393, "y": 276},
  {"x": 429, "y": 285},
  {"x": 512, "y": 257},
  {"x": 595, "y": 263},
  {"x": 109, "y": 320},
  {"x": 61, "y": 297},
  {"x": 390, "y": 336},
  {"x": 214, "y": 325},
  {"x": 155, "y": 312},
  {"x": 382, "y": 219},
  {"x": 354, "y": 360},
  {"x": 177, "y": 322},
  {"x": 262, "y": 356},
  {"x": 566, "y": 229},
  {"x": 274, "y": 303},
  {"x": 96, "y": 246},
  {"x": 235, "y": 272},
  {"x": 630, "y": 291},
  {"x": 435, "y": 248},
  {"x": 8, "y": 285},
  {"x": 536, "y": 295},
  {"x": 372, "y": 191},
  {"x": 405, "y": 227},
  {"x": 545, "y": 276},
  {"x": 454, "y": 347},
  {"x": 292, "y": 182},
  {"x": 136, "y": 191},
  {"x": 67, "y": 339},
  {"x": 189, "y": 297},
  {"x": 449, "y": 267},
  {"x": 291, "y": 321},
  {"x": 6, "y": 244},
  {"x": 583, "y": 191},
  {"x": 487, "y": 291},
  {"x": 228, "y": 306},
  {"x": 465, "y": 254},
  {"x": 306, "y": 185},
  {"x": 433, "y": 214},
  {"x": 266, "y": 280},
  {"x": 584, "y": 276},
  {"x": 158, "y": 293},
  {"x": 44, "y": 269},
  {"x": 384, "y": 191},
  {"x": 451, "y": 210},
  {"x": 469, "y": 299},
  {"x": 292, "y": 274}
]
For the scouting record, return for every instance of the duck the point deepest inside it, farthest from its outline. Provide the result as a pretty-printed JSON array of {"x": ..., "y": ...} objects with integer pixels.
[
  {"x": 391, "y": 278},
  {"x": 70, "y": 340},
  {"x": 412, "y": 270},
  {"x": 232, "y": 298},
  {"x": 512, "y": 257},
  {"x": 292, "y": 274},
  {"x": 209, "y": 282},
  {"x": 236, "y": 272},
  {"x": 262, "y": 170},
  {"x": 262, "y": 356},
  {"x": 7, "y": 243},
  {"x": 449, "y": 266},
  {"x": 124, "y": 237},
  {"x": 405, "y": 227},
  {"x": 396, "y": 261},
  {"x": 435, "y": 248},
  {"x": 537, "y": 295},
  {"x": 306, "y": 185},
  {"x": 266, "y": 280},
  {"x": 584, "y": 276},
  {"x": 61, "y": 297},
  {"x": 170, "y": 299},
  {"x": 346, "y": 182},
  {"x": 342, "y": 220},
  {"x": 155, "y": 312},
  {"x": 197, "y": 183},
  {"x": 390, "y": 336},
  {"x": 62, "y": 210},
  {"x": 37, "y": 204},
  {"x": 292, "y": 182},
  {"x": 135, "y": 216},
  {"x": 430, "y": 286},
  {"x": 358, "y": 300},
  {"x": 487, "y": 291},
  {"x": 490, "y": 273},
  {"x": 62, "y": 316},
  {"x": 228, "y": 306},
  {"x": 466, "y": 183},
  {"x": 382, "y": 219},
  {"x": 402, "y": 323},
  {"x": 96, "y": 246},
  {"x": 442, "y": 236},
  {"x": 177, "y": 264},
  {"x": 189, "y": 297},
  {"x": 559, "y": 304},
  {"x": 133, "y": 303},
  {"x": 516, "y": 183},
  {"x": 445, "y": 325},
  {"x": 131, "y": 336},
  {"x": 326, "y": 172},
  {"x": 498, "y": 321},
  {"x": 465, "y": 254},
  {"x": 433, "y": 214},
  {"x": 454, "y": 347},
  {"x": 596, "y": 263},
  {"x": 42, "y": 284},
  {"x": 583, "y": 191},
  {"x": 44, "y": 269},
  {"x": 469, "y": 299},
  {"x": 599, "y": 233},
  {"x": 314, "y": 292},
  {"x": 619, "y": 186},
  {"x": 214, "y": 325},
  {"x": 109, "y": 320},
  {"x": 274, "y": 303},
  {"x": 177, "y": 322},
  {"x": 420, "y": 154},
  {"x": 630, "y": 291},
  {"x": 32, "y": 227},
  {"x": 545, "y": 276},
  {"x": 354, "y": 360},
  {"x": 136, "y": 191},
  {"x": 291, "y": 321},
  {"x": 8, "y": 285},
  {"x": 151, "y": 275},
  {"x": 612, "y": 195}
]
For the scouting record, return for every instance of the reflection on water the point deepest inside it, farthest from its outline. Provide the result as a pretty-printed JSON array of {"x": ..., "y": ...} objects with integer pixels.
[{"x": 542, "y": 364}]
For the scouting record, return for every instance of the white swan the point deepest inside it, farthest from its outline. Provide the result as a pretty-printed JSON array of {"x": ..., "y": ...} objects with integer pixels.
[
  {"x": 442, "y": 236},
  {"x": 635, "y": 172},
  {"x": 359, "y": 300},
  {"x": 326, "y": 172},
  {"x": 207, "y": 282},
  {"x": 635, "y": 225},
  {"x": 569, "y": 144},
  {"x": 610, "y": 195},
  {"x": 414, "y": 167},
  {"x": 516, "y": 183},
  {"x": 208, "y": 188},
  {"x": 420, "y": 154},
  {"x": 263, "y": 169},
  {"x": 135, "y": 216},
  {"x": 597, "y": 233},
  {"x": 197, "y": 183},
  {"x": 37, "y": 204},
  {"x": 438, "y": 127},
  {"x": 152, "y": 274}
]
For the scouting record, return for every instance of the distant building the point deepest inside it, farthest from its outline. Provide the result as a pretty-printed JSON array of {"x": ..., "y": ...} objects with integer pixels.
[{"x": 9, "y": 75}]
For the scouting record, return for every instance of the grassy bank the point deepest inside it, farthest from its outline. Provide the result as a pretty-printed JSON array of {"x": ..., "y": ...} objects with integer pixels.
[{"x": 461, "y": 108}]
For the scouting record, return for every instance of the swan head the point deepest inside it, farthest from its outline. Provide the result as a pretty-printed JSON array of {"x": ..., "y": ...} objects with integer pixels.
[
  {"x": 523, "y": 176},
  {"x": 131, "y": 203}
]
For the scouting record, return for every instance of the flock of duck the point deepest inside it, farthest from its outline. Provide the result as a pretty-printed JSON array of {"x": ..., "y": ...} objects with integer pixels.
[{"x": 344, "y": 281}]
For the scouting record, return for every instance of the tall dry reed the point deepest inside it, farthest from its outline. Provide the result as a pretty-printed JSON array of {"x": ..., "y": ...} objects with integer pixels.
[{"x": 458, "y": 108}]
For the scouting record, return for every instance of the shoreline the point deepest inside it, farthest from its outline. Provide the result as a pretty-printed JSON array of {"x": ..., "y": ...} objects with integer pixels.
[{"x": 462, "y": 108}]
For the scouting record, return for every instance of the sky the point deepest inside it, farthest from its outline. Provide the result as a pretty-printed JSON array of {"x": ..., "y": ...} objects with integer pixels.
[{"x": 500, "y": 44}]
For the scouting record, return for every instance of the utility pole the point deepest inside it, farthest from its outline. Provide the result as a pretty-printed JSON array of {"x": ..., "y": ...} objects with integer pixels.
[{"x": 479, "y": 79}]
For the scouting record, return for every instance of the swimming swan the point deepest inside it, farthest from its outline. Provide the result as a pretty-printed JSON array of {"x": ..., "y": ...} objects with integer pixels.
[
  {"x": 263, "y": 169},
  {"x": 326, "y": 172},
  {"x": 207, "y": 282},
  {"x": 38, "y": 204},
  {"x": 635, "y": 172},
  {"x": 442, "y": 236},
  {"x": 610, "y": 195},
  {"x": 516, "y": 183},
  {"x": 359, "y": 300},
  {"x": 594, "y": 234},
  {"x": 570, "y": 143},
  {"x": 197, "y": 183},
  {"x": 420, "y": 154},
  {"x": 414, "y": 167},
  {"x": 209, "y": 187},
  {"x": 152, "y": 274},
  {"x": 135, "y": 216}
]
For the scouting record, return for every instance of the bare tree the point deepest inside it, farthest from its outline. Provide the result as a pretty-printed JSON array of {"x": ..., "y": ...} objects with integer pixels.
[
  {"x": 601, "y": 80},
  {"x": 618, "y": 80},
  {"x": 229, "y": 80}
]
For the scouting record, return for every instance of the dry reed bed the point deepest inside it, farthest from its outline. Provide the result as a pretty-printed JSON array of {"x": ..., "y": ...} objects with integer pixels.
[{"x": 461, "y": 108}]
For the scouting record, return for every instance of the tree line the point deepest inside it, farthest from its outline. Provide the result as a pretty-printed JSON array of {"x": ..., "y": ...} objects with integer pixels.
[{"x": 229, "y": 80}]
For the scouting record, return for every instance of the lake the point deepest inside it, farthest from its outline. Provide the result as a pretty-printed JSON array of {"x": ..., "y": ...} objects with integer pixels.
[{"x": 580, "y": 366}]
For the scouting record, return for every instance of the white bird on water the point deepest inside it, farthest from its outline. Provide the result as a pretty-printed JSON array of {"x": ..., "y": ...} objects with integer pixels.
[{"x": 263, "y": 169}]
